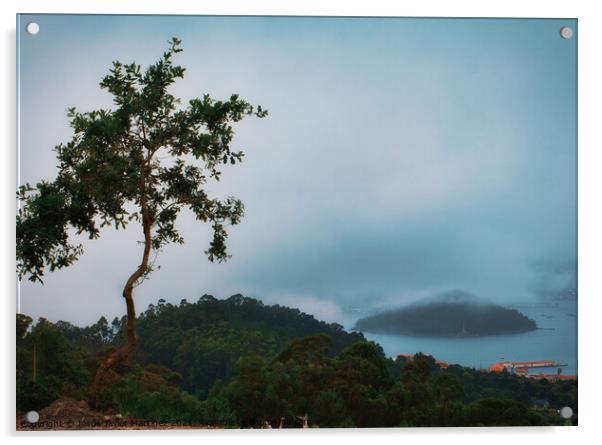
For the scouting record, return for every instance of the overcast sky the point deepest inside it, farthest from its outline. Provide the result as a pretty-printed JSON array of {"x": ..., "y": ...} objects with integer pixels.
[{"x": 401, "y": 158}]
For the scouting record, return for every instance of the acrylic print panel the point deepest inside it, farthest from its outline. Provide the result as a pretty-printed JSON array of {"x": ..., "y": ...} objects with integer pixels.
[{"x": 291, "y": 222}]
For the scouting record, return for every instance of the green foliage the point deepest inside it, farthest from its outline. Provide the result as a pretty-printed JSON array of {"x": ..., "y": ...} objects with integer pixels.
[
  {"x": 23, "y": 323},
  {"x": 307, "y": 350},
  {"x": 48, "y": 349},
  {"x": 35, "y": 395},
  {"x": 372, "y": 355},
  {"x": 217, "y": 408},
  {"x": 143, "y": 160},
  {"x": 231, "y": 363},
  {"x": 448, "y": 317},
  {"x": 500, "y": 412},
  {"x": 204, "y": 340},
  {"x": 328, "y": 410},
  {"x": 48, "y": 364},
  {"x": 147, "y": 394},
  {"x": 42, "y": 222}
]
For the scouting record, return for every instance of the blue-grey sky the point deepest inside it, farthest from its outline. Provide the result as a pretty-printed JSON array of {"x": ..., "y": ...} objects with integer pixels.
[{"x": 401, "y": 157}]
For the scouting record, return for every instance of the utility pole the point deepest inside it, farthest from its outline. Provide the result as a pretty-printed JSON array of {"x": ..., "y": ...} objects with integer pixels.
[{"x": 34, "y": 362}]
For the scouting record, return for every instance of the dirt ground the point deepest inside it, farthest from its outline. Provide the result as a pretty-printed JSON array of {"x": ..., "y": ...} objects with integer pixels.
[{"x": 70, "y": 414}]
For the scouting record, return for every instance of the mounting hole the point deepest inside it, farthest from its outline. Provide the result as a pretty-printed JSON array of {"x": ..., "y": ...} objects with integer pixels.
[
  {"x": 32, "y": 28},
  {"x": 566, "y": 32},
  {"x": 566, "y": 412},
  {"x": 32, "y": 417}
]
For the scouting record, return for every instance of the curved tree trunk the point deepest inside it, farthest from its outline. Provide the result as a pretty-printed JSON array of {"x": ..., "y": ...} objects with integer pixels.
[{"x": 121, "y": 354}]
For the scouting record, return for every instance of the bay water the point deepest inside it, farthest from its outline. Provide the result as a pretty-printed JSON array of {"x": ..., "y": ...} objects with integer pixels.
[{"x": 555, "y": 340}]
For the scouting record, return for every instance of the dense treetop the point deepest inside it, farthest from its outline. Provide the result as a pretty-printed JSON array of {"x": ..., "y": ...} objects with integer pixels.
[
  {"x": 455, "y": 314},
  {"x": 238, "y": 362},
  {"x": 143, "y": 160}
]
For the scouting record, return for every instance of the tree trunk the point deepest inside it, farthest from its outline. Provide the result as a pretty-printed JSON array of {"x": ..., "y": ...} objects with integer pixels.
[{"x": 121, "y": 354}]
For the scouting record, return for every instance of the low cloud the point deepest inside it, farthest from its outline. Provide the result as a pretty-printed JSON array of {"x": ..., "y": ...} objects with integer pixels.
[{"x": 393, "y": 164}]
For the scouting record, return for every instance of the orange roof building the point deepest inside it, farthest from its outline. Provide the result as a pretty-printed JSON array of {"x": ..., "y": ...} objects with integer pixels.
[{"x": 500, "y": 367}]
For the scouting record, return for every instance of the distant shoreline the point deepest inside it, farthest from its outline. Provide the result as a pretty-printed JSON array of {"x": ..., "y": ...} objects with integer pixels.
[{"x": 470, "y": 335}]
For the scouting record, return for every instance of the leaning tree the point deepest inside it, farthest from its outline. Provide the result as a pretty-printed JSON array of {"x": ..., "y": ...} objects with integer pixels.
[{"x": 142, "y": 161}]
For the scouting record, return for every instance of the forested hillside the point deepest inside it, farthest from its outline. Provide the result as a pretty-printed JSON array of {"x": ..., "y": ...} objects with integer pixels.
[
  {"x": 453, "y": 314},
  {"x": 238, "y": 362}
]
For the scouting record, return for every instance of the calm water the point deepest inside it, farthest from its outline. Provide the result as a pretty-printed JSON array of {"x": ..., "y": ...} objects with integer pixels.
[{"x": 559, "y": 344}]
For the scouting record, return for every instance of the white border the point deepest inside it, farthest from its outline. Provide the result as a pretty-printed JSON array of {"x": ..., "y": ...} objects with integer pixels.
[{"x": 590, "y": 216}]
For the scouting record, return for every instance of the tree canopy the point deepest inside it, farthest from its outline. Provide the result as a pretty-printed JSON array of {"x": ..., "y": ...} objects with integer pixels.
[
  {"x": 144, "y": 160},
  {"x": 238, "y": 362}
]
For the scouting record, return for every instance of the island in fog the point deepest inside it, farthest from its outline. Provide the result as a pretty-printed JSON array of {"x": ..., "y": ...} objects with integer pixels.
[{"x": 453, "y": 314}]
